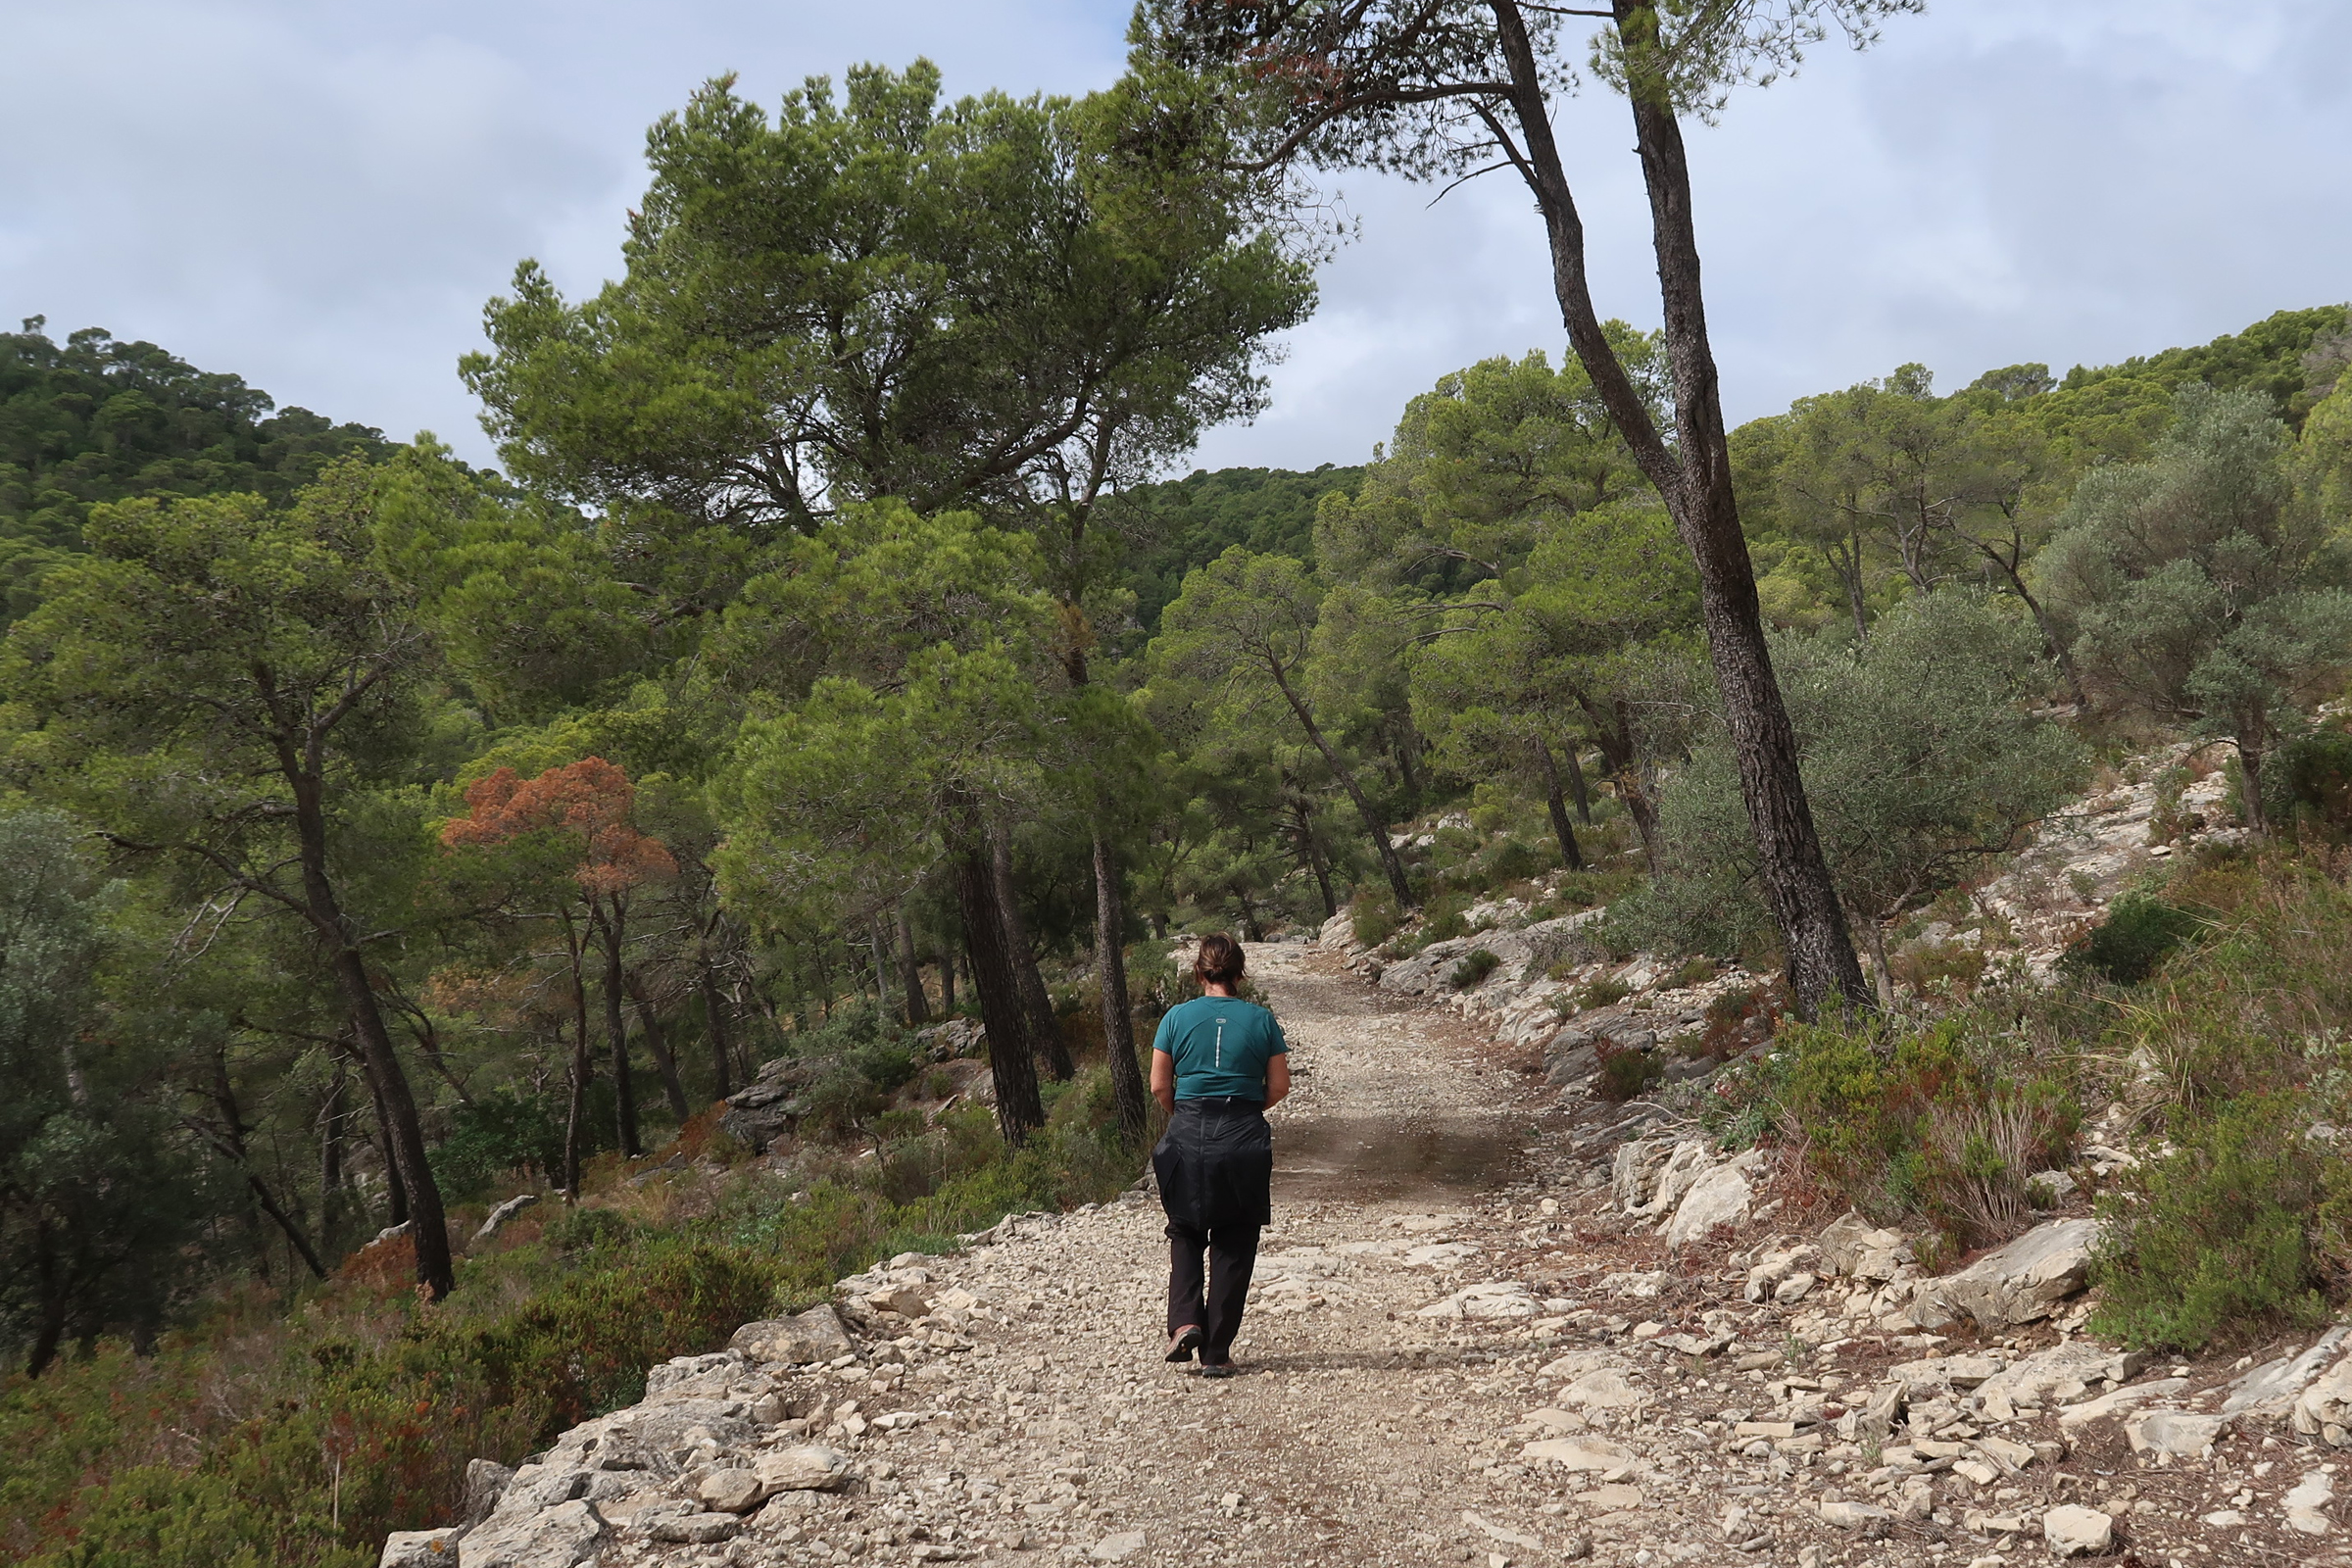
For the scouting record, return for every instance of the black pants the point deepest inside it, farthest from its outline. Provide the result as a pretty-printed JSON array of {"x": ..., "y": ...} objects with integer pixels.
[{"x": 1232, "y": 1256}]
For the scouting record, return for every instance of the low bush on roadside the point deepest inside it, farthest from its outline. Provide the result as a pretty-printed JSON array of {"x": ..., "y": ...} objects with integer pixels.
[
  {"x": 1374, "y": 918},
  {"x": 2244, "y": 1050},
  {"x": 2138, "y": 931},
  {"x": 1476, "y": 966},
  {"x": 1605, "y": 992},
  {"x": 1937, "y": 1127},
  {"x": 261, "y": 1437},
  {"x": 1626, "y": 1072},
  {"x": 2222, "y": 1237}
]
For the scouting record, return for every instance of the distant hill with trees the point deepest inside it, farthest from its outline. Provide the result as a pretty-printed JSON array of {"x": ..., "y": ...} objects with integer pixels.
[{"x": 94, "y": 419}]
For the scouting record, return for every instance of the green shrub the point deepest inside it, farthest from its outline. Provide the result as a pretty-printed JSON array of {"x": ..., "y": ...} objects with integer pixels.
[
  {"x": 1476, "y": 966},
  {"x": 2214, "y": 1241},
  {"x": 1940, "y": 1126},
  {"x": 590, "y": 1230},
  {"x": 1694, "y": 971},
  {"x": 2308, "y": 785},
  {"x": 1732, "y": 1005},
  {"x": 2127, "y": 946},
  {"x": 1514, "y": 861},
  {"x": 496, "y": 1135},
  {"x": 1626, "y": 1073},
  {"x": 1442, "y": 921},
  {"x": 1605, "y": 992},
  {"x": 1374, "y": 919},
  {"x": 1586, "y": 890}
]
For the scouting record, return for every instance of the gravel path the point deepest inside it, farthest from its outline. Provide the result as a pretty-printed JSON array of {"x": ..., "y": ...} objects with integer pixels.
[{"x": 1454, "y": 1354}]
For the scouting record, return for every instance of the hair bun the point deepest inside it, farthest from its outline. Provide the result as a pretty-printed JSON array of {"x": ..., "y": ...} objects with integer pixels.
[{"x": 1219, "y": 960}]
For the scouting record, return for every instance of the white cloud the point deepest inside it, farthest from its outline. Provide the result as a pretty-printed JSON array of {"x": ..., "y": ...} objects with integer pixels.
[{"x": 319, "y": 195}]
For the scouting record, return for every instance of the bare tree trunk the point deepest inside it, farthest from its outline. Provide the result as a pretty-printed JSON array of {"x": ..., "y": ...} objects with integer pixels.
[
  {"x": 1019, "y": 1112},
  {"x": 1575, "y": 785},
  {"x": 575, "y": 1114},
  {"x": 330, "y": 1158},
  {"x": 649, "y": 1024},
  {"x": 947, "y": 983},
  {"x": 608, "y": 916},
  {"x": 1118, "y": 1013},
  {"x": 428, "y": 1225},
  {"x": 1874, "y": 937},
  {"x": 1694, "y": 476},
  {"x": 50, "y": 1329},
  {"x": 230, "y": 1142},
  {"x": 880, "y": 947},
  {"x": 1374, "y": 827},
  {"x": 911, "y": 971},
  {"x": 1303, "y": 835},
  {"x": 396, "y": 1192},
  {"x": 714, "y": 1019},
  {"x": 1044, "y": 1027},
  {"x": 2250, "y": 760},
  {"x": 1561, "y": 828}
]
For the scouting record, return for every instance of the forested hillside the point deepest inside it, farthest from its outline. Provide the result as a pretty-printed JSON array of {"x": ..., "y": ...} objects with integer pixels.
[
  {"x": 95, "y": 420},
  {"x": 381, "y": 839}
]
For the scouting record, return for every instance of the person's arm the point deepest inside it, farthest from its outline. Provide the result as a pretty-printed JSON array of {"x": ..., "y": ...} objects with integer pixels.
[
  {"x": 1278, "y": 1079},
  {"x": 1164, "y": 1080}
]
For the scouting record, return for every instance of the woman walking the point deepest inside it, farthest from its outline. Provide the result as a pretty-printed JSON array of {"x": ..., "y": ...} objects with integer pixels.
[{"x": 1218, "y": 1064}]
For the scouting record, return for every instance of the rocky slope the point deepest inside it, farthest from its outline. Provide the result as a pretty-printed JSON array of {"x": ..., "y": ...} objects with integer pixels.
[{"x": 1474, "y": 1337}]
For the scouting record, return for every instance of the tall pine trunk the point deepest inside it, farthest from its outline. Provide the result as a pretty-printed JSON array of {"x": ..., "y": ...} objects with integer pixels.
[
  {"x": 609, "y": 918},
  {"x": 1694, "y": 476},
  {"x": 657, "y": 1044},
  {"x": 911, "y": 971},
  {"x": 1127, "y": 1090},
  {"x": 714, "y": 1019},
  {"x": 331, "y": 1112},
  {"x": 575, "y": 1109},
  {"x": 1019, "y": 1112},
  {"x": 1044, "y": 1027},
  {"x": 1374, "y": 828},
  {"x": 1561, "y": 828}
]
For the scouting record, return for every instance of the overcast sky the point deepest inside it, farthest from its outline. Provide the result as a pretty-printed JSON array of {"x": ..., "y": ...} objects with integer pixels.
[{"x": 318, "y": 195}]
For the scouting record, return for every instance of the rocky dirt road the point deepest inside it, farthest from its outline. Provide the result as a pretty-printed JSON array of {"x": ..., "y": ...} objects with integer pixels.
[{"x": 1454, "y": 1354}]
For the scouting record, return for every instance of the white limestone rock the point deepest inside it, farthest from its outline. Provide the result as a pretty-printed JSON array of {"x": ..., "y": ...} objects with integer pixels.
[
  {"x": 1855, "y": 1248},
  {"x": 2020, "y": 1282},
  {"x": 420, "y": 1549},
  {"x": 2073, "y": 1531},
  {"x": 562, "y": 1537},
  {"x": 1720, "y": 1197},
  {"x": 804, "y": 1339}
]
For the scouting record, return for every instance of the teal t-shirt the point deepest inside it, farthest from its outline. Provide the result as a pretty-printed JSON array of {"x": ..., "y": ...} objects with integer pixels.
[{"x": 1221, "y": 1046}]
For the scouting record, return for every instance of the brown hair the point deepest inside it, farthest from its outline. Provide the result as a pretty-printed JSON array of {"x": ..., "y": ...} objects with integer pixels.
[{"x": 1219, "y": 960}]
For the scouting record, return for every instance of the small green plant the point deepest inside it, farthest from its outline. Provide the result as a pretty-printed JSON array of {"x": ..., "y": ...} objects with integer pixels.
[
  {"x": 1626, "y": 1072},
  {"x": 1694, "y": 971},
  {"x": 1605, "y": 992},
  {"x": 2308, "y": 786},
  {"x": 2138, "y": 931},
  {"x": 1732, "y": 1005},
  {"x": 2214, "y": 1241},
  {"x": 1476, "y": 966},
  {"x": 2083, "y": 884},
  {"x": 2164, "y": 821},
  {"x": 1513, "y": 860},
  {"x": 1374, "y": 919}
]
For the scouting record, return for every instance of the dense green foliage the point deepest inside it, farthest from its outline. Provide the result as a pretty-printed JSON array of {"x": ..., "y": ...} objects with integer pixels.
[
  {"x": 1172, "y": 525},
  {"x": 94, "y": 420}
]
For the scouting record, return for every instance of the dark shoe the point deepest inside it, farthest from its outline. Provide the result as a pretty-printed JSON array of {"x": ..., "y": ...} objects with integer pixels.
[
  {"x": 1184, "y": 1341},
  {"x": 1219, "y": 1369}
]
